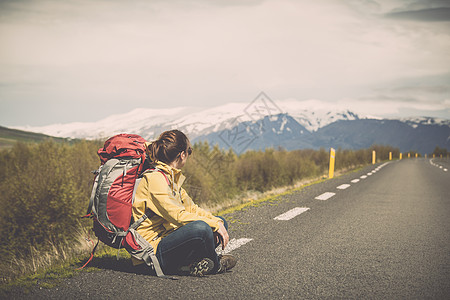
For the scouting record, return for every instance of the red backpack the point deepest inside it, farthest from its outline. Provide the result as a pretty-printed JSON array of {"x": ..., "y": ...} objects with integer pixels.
[{"x": 110, "y": 206}]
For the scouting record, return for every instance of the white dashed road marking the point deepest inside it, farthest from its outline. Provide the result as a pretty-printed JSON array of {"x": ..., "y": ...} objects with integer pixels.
[
  {"x": 325, "y": 196},
  {"x": 343, "y": 186},
  {"x": 235, "y": 243},
  {"x": 291, "y": 213}
]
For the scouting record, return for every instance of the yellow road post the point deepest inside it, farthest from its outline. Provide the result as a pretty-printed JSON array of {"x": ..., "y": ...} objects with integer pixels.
[
  {"x": 332, "y": 161},
  {"x": 374, "y": 157}
]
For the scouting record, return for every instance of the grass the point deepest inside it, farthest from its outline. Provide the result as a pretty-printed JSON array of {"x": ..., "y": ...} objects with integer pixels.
[
  {"x": 272, "y": 195},
  {"x": 53, "y": 275},
  {"x": 254, "y": 199}
]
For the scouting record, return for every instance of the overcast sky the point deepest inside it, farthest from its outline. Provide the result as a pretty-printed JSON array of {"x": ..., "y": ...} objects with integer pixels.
[{"x": 65, "y": 61}]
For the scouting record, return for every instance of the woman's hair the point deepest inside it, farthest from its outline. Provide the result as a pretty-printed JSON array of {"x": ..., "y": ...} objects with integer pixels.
[{"x": 168, "y": 146}]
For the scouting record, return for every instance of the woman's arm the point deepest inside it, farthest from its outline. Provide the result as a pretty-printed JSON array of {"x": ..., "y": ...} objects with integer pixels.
[
  {"x": 192, "y": 207},
  {"x": 221, "y": 233}
]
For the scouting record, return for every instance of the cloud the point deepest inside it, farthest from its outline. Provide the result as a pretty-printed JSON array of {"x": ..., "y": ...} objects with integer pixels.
[
  {"x": 198, "y": 52},
  {"x": 421, "y": 11},
  {"x": 411, "y": 5},
  {"x": 425, "y": 15},
  {"x": 406, "y": 100}
]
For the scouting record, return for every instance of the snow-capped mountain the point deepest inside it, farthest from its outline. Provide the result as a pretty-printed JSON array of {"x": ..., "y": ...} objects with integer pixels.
[
  {"x": 138, "y": 120},
  {"x": 313, "y": 119},
  {"x": 196, "y": 122},
  {"x": 261, "y": 124},
  {"x": 415, "y": 122},
  {"x": 284, "y": 131}
]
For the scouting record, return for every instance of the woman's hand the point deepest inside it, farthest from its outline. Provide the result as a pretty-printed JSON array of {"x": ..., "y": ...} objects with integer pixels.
[{"x": 222, "y": 235}]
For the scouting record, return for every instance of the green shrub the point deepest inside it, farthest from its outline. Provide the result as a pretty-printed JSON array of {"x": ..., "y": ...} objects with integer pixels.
[{"x": 43, "y": 193}]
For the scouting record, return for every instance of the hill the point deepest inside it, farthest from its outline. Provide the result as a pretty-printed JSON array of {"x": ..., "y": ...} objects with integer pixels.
[{"x": 8, "y": 137}]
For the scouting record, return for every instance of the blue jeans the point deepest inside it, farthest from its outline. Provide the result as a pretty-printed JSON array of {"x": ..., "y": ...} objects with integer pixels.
[{"x": 189, "y": 243}]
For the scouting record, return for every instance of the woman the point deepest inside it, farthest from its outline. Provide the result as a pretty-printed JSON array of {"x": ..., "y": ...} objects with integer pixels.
[{"x": 182, "y": 233}]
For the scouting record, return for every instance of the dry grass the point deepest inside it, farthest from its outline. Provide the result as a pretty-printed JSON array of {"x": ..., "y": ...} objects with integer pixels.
[
  {"x": 37, "y": 261},
  {"x": 254, "y": 196},
  {"x": 250, "y": 197}
]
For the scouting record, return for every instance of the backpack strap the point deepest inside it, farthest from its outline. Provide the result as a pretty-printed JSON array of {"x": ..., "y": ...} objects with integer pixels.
[
  {"x": 135, "y": 189},
  {"x": 92, "y": 255},
  {"x": 157, "y": 170},
  {"x": 147, "y": 253},
  {"x": 136, "y": 184},
  {"x": 94, "y": 191},
  {"x": 164, "y": 174}
]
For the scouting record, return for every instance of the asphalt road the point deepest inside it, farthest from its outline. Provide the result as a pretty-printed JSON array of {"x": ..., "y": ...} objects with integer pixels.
[{"x": 380, "y": 235}]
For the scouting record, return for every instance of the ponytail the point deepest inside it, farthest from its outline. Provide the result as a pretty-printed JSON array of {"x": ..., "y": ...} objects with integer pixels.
[{"x": 167, "y": 147}]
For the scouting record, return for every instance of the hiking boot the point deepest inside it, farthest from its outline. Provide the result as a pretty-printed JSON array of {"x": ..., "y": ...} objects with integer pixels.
[
  {"x": 201, "y": 268},
  {"x": 227, "y": 262}
]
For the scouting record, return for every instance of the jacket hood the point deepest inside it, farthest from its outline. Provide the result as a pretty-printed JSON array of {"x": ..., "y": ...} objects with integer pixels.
[{"x": 176, "y": 177}]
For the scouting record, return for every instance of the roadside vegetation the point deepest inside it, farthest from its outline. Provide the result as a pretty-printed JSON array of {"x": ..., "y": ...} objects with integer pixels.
[{"x": 45, "y": 187}]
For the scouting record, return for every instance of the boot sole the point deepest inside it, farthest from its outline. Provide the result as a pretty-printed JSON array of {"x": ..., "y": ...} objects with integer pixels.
[{"x": 202, "y": 268}]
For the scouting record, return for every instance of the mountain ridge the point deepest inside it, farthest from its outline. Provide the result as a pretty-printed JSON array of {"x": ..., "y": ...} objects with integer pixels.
[
  {"x": 196, "y": 122},
  {"x": 284, "y": 124},
  {"x": 285, "y": 132}
]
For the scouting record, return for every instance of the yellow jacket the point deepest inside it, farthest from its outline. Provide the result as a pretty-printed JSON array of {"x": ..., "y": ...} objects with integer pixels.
[{"x": 167, "y": 205}]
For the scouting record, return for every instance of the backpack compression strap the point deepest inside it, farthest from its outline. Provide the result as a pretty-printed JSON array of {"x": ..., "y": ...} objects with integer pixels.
[
  {"x": 94, "y": 191},
  {"x": 148, "y": 253}
]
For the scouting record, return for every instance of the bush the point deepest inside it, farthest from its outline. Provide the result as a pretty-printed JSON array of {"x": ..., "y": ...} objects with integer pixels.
[{"x": 43, "y": 192}]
